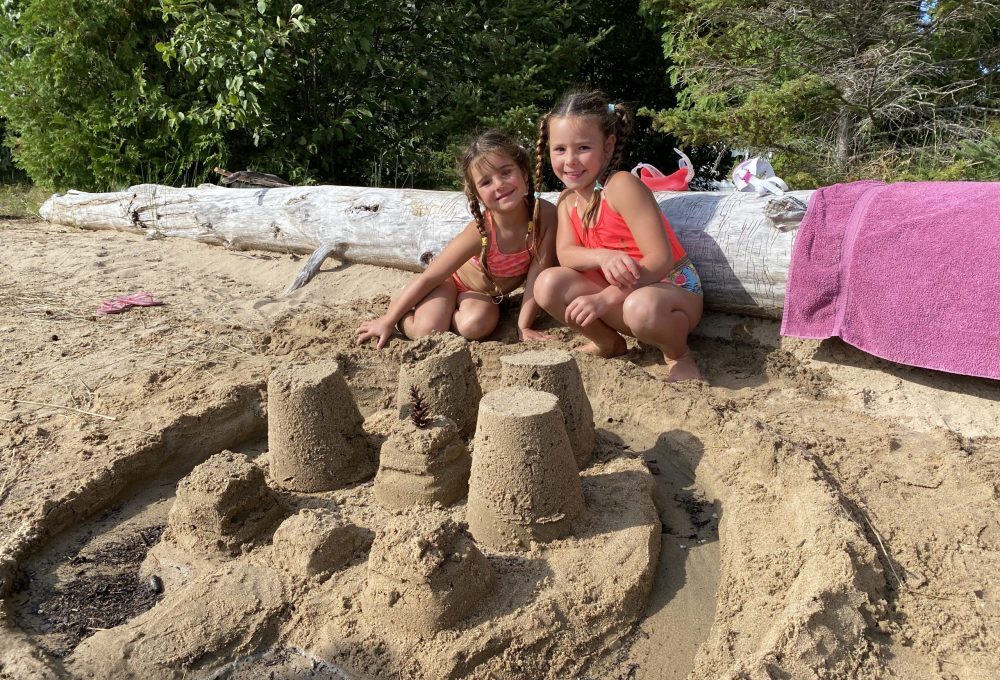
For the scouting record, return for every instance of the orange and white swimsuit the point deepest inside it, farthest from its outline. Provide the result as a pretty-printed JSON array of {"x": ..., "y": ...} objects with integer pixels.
[
  {"x": 502, "y": 265},
  {"x": 611, "y": 232}
]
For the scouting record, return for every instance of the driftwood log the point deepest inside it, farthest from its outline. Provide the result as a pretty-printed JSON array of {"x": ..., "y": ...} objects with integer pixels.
[{"x": 741, "y": 244}]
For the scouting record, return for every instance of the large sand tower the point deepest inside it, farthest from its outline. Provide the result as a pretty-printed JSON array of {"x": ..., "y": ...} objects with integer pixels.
[
  {"x": 425, "y": 573},
  {"x": 525, "y": 485},
  {"x": 441, "y": 367},
  {"x": 314, "y": 429},
  {"x": 556, "y": 372},
  {"x": 423, "y": 466}
]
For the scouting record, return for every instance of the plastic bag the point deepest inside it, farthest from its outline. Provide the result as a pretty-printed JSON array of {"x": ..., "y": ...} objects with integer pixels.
[
  {"x": 675, "y": 181},
  {"x": 756, "y": 174}
]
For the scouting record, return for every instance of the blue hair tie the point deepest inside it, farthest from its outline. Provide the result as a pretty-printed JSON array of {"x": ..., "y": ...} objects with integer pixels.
[
  {"x": 598, "y": 186},
  {"x": 611, "y": 108},
  {"x": 538, "y": 194}
]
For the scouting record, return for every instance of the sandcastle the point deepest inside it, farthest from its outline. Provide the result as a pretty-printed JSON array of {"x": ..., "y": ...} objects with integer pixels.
[
  {"x": 524, "y": 485},
  {"x": 314, "y": 542},
  {"x": 442, "y": 368},
  {"x": 314, "y": 429},
  {"x": 222, "y": 507},
  {"x": 422, "y": 466},
  {"x": 556, "y": 372},
  {"x": 425, "y": 573}
]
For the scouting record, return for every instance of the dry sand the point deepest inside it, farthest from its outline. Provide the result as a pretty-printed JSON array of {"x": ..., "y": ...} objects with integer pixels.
[{"x": 818, "y": 512}]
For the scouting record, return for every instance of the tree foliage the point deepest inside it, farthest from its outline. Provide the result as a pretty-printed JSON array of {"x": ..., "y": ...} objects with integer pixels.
[
  {"x": 836, "y": 89},
  {"x": 99, "y": 94}
]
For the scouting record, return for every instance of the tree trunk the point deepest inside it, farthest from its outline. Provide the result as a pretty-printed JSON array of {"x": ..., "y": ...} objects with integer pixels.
[{"x": 741, "y": 253}]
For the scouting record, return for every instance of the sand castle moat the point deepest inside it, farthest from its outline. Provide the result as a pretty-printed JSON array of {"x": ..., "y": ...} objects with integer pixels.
[{"x": 670, "y": 525}]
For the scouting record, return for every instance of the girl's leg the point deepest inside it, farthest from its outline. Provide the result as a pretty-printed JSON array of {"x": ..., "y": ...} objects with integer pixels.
[
  {"x": 432, "y": 314},
  {"x": 556, "y": 287},
  {"x": 476, "y": 315},
  {"x": 663, "y": 315}
]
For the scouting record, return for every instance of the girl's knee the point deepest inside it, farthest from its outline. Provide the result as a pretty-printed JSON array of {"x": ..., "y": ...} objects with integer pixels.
[
  {"x": 549, "y": 287},
  {"x": 642, "y": 311},
  {"x": 424, "y": 327},
  {"x": 475, "y": 327}
]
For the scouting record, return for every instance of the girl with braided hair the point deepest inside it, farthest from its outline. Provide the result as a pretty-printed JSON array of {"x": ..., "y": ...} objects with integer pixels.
[
  {"x": 623, "y": 271},
  {"x": 509, "y": 241}
]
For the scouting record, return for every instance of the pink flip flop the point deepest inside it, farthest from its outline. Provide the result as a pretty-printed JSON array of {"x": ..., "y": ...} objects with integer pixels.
[{"x": 123, "y": 302}]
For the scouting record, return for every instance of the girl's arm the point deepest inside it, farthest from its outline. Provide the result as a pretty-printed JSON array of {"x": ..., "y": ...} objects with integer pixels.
[
  {"x": 454, "y": 255},
  {"x": 546, "y": 258},
  {"x": 633, "y": 200}
]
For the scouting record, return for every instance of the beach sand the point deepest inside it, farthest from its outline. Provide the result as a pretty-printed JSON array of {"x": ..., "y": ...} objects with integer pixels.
[{"x": 804, "y": 511}]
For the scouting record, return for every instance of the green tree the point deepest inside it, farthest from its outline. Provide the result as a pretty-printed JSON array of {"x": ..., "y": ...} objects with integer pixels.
[{"x": 835, "y": 89}]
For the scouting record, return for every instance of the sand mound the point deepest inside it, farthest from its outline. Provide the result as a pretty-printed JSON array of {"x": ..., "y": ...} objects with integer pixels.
[
  {"x": 422, "y": 466},
  {"x": 425, "y": 573},
  {"x": 441, "y": 368}
]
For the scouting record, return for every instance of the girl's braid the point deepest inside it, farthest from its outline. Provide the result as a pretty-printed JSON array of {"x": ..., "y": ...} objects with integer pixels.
[
  {"x": 477, "y": 215},
  {"x": 616, "y": 121},
  {"x": 535, "y": 183}
]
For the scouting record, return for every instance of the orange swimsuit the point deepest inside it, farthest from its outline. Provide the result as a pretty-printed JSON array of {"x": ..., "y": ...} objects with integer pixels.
[
  {"x": 612, "y": 233},
  {"x": 504, "y": 265}
]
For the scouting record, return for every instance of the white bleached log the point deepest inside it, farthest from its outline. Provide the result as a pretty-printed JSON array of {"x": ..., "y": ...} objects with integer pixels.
[{"x": 742, "y": 256}]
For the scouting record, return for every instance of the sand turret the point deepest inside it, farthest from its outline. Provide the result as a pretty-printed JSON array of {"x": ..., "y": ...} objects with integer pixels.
[
  {"x": 425, "y": 573},
  {"x": 222, "y": 507},
  {"x": 441, "y": 367},
  {"x": 315, "y": 542},
  {"x": 314, "y": 429},
  {"x": 423, "y": 466},
  {"x": 524, "y": 485},
  {"x": 556, "y": 372}
]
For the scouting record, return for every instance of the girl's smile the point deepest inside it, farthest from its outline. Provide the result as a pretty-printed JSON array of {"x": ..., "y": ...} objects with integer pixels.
[
  {"x": 578, "y": 151},
  {"x": 500, "y": 184}
]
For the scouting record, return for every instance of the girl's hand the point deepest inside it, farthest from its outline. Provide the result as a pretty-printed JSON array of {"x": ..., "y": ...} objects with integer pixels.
[
  {"x": 619, "y": 269},
  {"x": 380, "y": 328},
  {"x": 586, "y": 309},
  {"x": 531, "y": 335}
]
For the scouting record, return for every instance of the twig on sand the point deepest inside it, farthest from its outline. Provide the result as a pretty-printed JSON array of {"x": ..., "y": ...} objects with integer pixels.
[
  {"x": 65, "y": 408},
  {"x": 888, "y": 560}
]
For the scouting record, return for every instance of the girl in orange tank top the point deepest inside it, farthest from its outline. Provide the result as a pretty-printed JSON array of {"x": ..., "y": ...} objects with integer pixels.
[
  {"x": 622, "y": 270},
  {"x": 508, "y": 242}
]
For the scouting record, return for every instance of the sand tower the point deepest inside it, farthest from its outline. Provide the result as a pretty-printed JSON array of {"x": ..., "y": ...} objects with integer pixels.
[
  {"x": 441, "y": 367},
  {"x": 423, "y": 466},
  {"x": 314, "y": 429},
  {"x": 525, "y": 485},
  {"x": 556, "y": 372},
  {"x": 222, "y": 506},
  {"x": 315, "y": 542},
  {"x": 425, "y": 573}
]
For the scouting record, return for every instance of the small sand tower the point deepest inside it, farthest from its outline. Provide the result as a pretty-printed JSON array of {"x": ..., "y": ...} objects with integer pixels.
[
  {"x": 525, "y": 485},
  {"x": 556, "y": 372},
  {"x": 423, "y": 465},
  {"x": 222, "y": 507},
  {"x": 441, "y": 366},
  {"x": 315, "y": 542},
  {"x": 425, "y": 573},
  {"x": 314, "y": 429}
]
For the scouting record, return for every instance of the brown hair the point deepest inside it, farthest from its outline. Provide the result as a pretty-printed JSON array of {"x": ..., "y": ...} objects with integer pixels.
[
  {"x": 612, "y": 119},
  {"x": 496, "y": 142}
]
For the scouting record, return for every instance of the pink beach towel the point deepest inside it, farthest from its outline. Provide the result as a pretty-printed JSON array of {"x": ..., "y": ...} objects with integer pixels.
[{"x": 909, "y": 272}]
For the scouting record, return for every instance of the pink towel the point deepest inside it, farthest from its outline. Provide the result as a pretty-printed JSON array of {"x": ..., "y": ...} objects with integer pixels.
[{"x": 909, "y": 272}]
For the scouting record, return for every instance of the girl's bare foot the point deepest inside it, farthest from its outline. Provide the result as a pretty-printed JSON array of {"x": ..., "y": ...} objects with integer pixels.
[
  {"x": 684, "y": 368},
  {"x": 616, "y": 350}
]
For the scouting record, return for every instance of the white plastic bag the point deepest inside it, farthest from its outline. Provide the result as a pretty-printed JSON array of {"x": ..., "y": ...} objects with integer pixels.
[{"x": 756, "y": 174}]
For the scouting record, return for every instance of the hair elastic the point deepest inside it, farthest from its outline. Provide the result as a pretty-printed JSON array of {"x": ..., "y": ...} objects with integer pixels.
[
  {"x": 538, "y": 194},
  {"x": 611, "y": 108},
  {"x": 598, "y": 186}
]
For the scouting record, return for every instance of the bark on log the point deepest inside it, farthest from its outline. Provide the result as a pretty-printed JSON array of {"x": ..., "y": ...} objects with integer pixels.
[{"x": 741, "y": 253}]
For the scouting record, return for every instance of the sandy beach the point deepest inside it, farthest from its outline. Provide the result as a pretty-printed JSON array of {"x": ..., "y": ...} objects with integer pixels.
[{"x": 804, "y": 511}]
